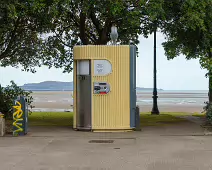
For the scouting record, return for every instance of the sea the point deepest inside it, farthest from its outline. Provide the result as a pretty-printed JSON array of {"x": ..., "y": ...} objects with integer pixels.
[
  {"x": 195, "y": 97},
  {"x": 63, "y": 100}
]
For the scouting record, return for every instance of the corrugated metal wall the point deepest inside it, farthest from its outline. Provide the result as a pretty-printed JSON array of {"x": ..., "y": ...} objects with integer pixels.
[{"x": 111, "y": 111}]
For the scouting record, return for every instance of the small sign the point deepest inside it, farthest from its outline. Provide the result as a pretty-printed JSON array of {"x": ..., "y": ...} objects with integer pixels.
[{"x": 102, "y": 67}]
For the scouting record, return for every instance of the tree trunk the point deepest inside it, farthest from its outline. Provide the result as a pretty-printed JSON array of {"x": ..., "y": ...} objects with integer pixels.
[
  {"x": 103, "y": 37},
  {"x": 210, "y": 79},
  {"x": 82, "y": 28},
  {"x": 210, "y": 87}
]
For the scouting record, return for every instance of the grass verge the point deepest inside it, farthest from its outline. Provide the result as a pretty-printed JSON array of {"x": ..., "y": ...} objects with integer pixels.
[
  {"x": 51, "y": 119},
  {"x": 165, "y": 118},
  {"x": 200, "y": 115},
  {"x": 66, "y": 119}
]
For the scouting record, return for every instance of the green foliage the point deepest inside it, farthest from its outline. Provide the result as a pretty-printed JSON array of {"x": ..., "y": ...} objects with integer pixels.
[
  {"x": 208, "y": 111},
  {"x": 43, "y": 32},
  {"x": 89, "y": 22},
  {"x": 209, "y": 114},
  {"x": 188, "y": 30},
  {"x": 8, "y": 95},
  {"x": 20, "y": 42}
]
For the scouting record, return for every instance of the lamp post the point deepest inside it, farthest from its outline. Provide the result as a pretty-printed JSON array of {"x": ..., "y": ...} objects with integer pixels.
[{"x": 155, "y": 110}]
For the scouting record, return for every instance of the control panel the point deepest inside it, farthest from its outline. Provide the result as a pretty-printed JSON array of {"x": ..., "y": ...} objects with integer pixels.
[{"x": 101, "y": 88}]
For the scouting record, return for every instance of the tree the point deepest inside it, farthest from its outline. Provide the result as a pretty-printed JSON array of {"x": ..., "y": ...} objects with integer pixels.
[
  {"x": 188, "y": 30},
  {"x": 43, "y": 32},
  {"x": 89, "y": 22},
  {"x": 20, "y": 43}
]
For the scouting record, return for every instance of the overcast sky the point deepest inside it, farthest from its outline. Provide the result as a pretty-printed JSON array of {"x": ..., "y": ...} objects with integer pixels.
[{"x": 177, "y": 74}]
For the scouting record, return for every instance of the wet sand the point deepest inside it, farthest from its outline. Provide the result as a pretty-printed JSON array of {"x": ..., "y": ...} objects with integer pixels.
[{"x": 167, "y": 102}]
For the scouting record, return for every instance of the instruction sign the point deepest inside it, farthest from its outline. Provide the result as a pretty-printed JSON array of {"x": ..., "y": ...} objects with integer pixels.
[{"x": 102, "y": 67}]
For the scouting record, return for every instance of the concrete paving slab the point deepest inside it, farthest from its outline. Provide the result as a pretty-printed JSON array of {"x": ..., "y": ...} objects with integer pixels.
[{"x": 154, "y": 148}]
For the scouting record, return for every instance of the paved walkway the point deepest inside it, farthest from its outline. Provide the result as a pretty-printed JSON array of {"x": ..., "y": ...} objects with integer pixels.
[{"x": 173, "y": 147}]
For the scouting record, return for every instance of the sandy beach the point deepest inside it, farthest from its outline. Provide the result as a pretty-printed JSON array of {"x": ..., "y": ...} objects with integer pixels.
[{"x": 167, "y": 101}]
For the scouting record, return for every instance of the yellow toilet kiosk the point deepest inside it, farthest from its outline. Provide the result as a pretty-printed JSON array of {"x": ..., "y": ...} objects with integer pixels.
[{"x": 105, "y": 88}]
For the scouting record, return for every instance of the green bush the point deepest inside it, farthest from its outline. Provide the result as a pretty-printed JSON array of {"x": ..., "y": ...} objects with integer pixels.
[
  {"x": 7, "y": 96},
  {"x": 208, "y": 111}
]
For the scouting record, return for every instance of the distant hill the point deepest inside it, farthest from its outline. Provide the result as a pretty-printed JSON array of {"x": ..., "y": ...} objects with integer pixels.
[
  {"x": 59, "y": 86},
  {"x": 49, "y": 86}
]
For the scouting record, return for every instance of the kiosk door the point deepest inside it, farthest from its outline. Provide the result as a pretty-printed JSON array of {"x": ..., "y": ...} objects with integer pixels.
[{"x": 83, "y": 94}]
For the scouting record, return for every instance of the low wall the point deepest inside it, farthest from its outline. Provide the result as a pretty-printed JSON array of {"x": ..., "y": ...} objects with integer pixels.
[{"x": 2, "y": 126}]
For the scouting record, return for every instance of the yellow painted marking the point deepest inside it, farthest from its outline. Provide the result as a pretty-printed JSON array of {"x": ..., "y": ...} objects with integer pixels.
[
  {"x": 19, "y": 111},
  {"x": 18, "y": 117}
]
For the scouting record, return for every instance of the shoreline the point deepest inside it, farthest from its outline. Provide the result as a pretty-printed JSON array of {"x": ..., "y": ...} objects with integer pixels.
[{"x": 167, "y": 102}]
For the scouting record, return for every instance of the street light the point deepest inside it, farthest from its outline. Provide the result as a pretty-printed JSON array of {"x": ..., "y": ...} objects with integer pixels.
[
  {"x": 114, "y": 34},
  {"x": 155, "y": 110}
]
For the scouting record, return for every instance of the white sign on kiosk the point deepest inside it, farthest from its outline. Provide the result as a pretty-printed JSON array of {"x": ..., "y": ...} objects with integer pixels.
[{"x": 102, "y": 67}]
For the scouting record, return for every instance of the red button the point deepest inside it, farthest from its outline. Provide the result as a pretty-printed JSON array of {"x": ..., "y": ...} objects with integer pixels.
[{"x": 103, "y": 93}]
